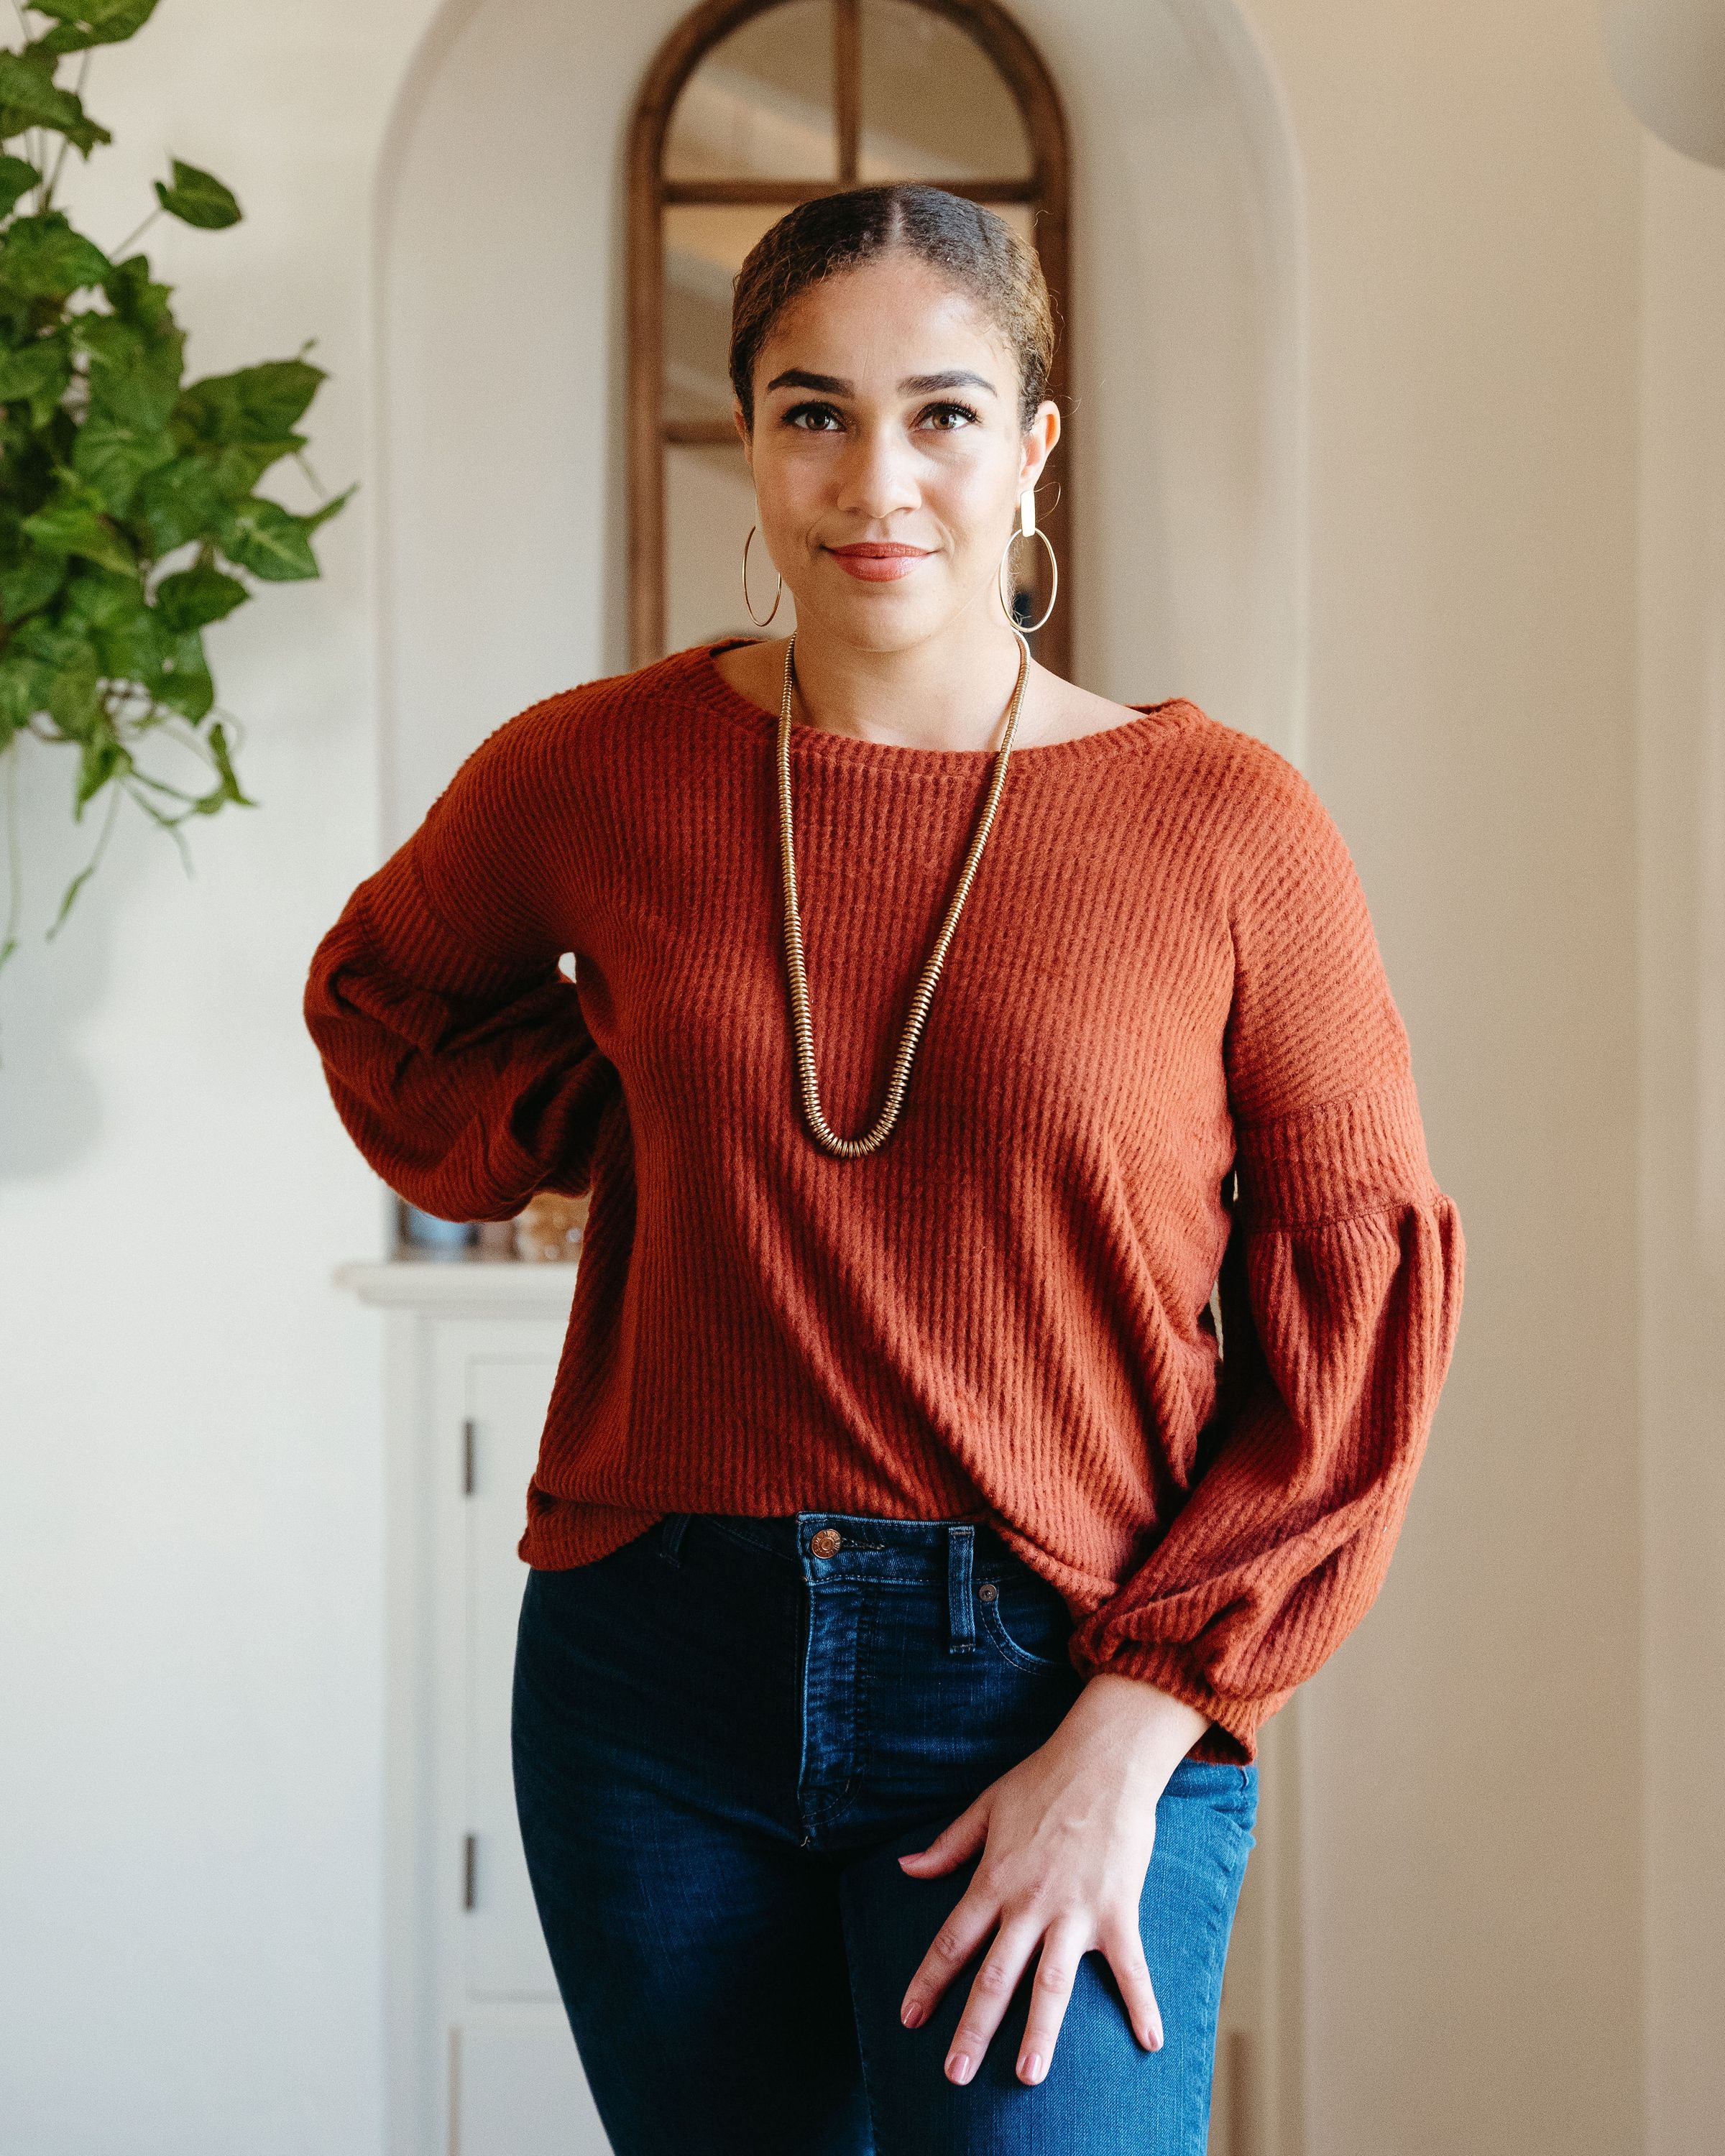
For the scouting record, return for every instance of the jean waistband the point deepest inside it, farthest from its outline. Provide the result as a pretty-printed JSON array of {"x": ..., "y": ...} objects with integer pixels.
[
  {"x": 832, "y": 1547},
  {"x": 863, "y": 1542}
]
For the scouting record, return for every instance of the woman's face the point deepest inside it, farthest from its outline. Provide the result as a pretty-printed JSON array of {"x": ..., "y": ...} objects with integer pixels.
[{"x": 887, "y": 453}]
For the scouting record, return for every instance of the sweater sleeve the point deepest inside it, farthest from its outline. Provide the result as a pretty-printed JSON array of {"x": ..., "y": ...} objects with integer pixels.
[
  {"x": 1340, "y": 1294},
  {"x": 455, "y": 1049}
]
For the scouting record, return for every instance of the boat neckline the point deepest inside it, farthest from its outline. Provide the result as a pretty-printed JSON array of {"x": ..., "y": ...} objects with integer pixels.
[{"x": 1151, "y": 721}]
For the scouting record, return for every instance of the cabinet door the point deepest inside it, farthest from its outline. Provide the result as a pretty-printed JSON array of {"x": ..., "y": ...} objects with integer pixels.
[
  {"x": 519, "y": 2089},
  {"x": 504, "y": 1955}
]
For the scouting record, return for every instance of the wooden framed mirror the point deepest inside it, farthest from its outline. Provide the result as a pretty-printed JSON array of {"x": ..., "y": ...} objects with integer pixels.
[{"x": 750, "y": 107}]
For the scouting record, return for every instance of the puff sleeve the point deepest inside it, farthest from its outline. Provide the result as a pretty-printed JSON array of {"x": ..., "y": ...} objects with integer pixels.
[
  {"x": 1340, "y": 1295},
  {"x": 455, "y": 1049}
]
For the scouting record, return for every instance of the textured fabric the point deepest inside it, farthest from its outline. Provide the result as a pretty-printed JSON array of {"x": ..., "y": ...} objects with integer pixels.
[
  {"x": 722, "y": 1745},
  {"x": 1164, "y": 983}
]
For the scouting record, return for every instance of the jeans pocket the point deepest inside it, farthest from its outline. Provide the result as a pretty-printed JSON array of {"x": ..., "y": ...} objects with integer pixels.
[{"x": 1024, "y": 1620}]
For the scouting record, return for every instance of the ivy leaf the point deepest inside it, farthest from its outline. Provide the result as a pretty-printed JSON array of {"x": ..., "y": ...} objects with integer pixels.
[
  {"x": 135, "y": 298},
  {"x": 99, "y": 602},
  {"x": 133, "y": 641},
  {"x": 134, "y": 370},
  {"x": 41, "y": 258},
  {"x": 198, "y": 596},
  {"x": 180, "y": 676},
  {"x": 38, "y": 374},
  {"x": 229, "y": 789},
  {"x": 124, "y": 436},
  {"x": 75, "y": 701},
  {"x": 52, "y": 643},
  {"x": 30, "y": 582},
  {"x": 109, "y": 341},
  {"x": 72, "y": 523},
  {"x": 237, "y": 467},
  {"x": 180, "y": 501},
  {"x": 112, "y": 614},
  {"x": 28, "y": 98},
  {"x": 114, "y": 455},
  {"x": 24, "y": 371},
  {"x": 326, "y": 511},
  {"x": 65, "y": 673},
  {"x": 257, "y": 404},
  {"x": 198, "y": 199},
  {"x": 17, "y": 179},
  {"x": 84, "y": 23},
  {"x": 103, "y": 758},
  {"x": 272, "y": 541},
  {"x": 17, "y": 693},
  {"x": 269, "y": 540}
]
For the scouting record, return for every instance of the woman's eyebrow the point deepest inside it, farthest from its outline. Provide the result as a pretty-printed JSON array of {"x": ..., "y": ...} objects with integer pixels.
[
  {"x": 797, "y": 377},
  {"x": 956, "y": 378},
  {"x": 913, "y": 385}
]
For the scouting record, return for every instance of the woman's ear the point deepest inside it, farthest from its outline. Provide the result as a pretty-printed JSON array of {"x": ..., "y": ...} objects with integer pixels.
[{"x": 1040, "y": 436}]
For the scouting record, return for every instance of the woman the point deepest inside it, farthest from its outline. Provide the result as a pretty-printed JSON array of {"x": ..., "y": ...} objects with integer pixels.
[{"x": 910, "y": 1573}]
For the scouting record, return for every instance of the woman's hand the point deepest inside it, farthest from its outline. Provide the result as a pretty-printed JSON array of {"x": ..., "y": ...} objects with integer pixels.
[{"x": 1067, "y": 1837}]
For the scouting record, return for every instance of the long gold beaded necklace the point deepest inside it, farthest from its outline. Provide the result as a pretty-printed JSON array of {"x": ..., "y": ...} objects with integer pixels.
[{"x": 854, "y": 1148}]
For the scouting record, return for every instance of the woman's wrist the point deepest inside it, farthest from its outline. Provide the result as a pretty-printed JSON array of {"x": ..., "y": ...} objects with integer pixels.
[{"x": 1159, "y": 1729}]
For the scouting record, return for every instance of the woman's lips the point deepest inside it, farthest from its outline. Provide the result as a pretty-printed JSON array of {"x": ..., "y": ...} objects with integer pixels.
[{"x": 879, "y": 561}]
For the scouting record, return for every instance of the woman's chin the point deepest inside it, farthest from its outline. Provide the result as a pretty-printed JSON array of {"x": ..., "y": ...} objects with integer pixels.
[{"x": 877, "y": 617}]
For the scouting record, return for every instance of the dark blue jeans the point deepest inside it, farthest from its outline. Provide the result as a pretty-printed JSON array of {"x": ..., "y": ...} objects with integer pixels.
[{"x": 726, "y": 1732}]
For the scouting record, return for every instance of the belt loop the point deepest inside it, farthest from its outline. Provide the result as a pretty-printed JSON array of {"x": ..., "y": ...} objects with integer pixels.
[
  {"x": 961, "y": 1619},
  {"x": 670, "y": 1539}
]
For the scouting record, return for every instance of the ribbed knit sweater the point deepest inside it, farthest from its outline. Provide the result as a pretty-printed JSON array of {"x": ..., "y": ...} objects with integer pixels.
[{"x": 1162, "y": 1059}]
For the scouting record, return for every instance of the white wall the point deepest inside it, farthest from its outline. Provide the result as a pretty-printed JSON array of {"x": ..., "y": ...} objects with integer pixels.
[
  {"x": 1497, "y": 271},
  {"x": 1682, "y": 1303},
  {"x": 500, "y": 509},
  {"x": 1473, "y": 1805},
  {"x": 191, "y": 1532},
  {"x": 1188, "y": 356}
]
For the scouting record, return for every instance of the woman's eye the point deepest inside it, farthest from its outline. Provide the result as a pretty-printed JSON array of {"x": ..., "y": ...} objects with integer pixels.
[
  {"x": 814, "y": 417},
  {"x": 944, "y": 418}
]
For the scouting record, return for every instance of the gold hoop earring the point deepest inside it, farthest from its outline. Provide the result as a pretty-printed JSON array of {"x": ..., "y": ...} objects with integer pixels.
[
  {"x": 758, "y": 619},
  {"x": 1028, "y": 529}
]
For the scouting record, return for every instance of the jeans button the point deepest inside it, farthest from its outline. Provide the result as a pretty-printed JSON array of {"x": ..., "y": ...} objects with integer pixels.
[{"x": 826, "y": 1543}]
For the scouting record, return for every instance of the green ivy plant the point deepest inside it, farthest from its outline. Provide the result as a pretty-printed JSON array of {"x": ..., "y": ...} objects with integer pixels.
[{"x": 129, "y": 518}]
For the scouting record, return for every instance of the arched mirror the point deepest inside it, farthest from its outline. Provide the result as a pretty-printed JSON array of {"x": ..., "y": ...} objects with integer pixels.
[{"x": 750, "y": 106}]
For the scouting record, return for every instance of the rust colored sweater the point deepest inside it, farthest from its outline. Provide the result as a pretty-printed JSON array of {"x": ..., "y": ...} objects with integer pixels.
[{"x": 1164, "y": 974}]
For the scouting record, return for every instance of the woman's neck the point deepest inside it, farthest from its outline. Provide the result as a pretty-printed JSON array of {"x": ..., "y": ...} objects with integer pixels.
[{"x": 951, "y": 692}]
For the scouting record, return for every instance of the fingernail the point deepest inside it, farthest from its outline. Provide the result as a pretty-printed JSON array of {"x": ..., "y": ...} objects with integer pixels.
[
  {"x": 1030, "y": 2066},
  {"x": 958, "y": 2067},
  {"x": 911, "y": 2013}
]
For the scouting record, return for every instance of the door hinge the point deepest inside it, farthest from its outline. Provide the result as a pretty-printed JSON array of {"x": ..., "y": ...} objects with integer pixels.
[
  {"x": 469, "y": 1446},
  {"x": 470, "y": 1872}
]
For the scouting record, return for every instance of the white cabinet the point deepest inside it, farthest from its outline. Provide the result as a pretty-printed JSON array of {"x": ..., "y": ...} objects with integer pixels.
[{"x": 481, "y": 2061}]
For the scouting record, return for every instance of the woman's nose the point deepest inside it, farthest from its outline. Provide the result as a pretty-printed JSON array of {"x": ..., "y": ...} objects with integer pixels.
[{"x": 877, "y": 476}]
